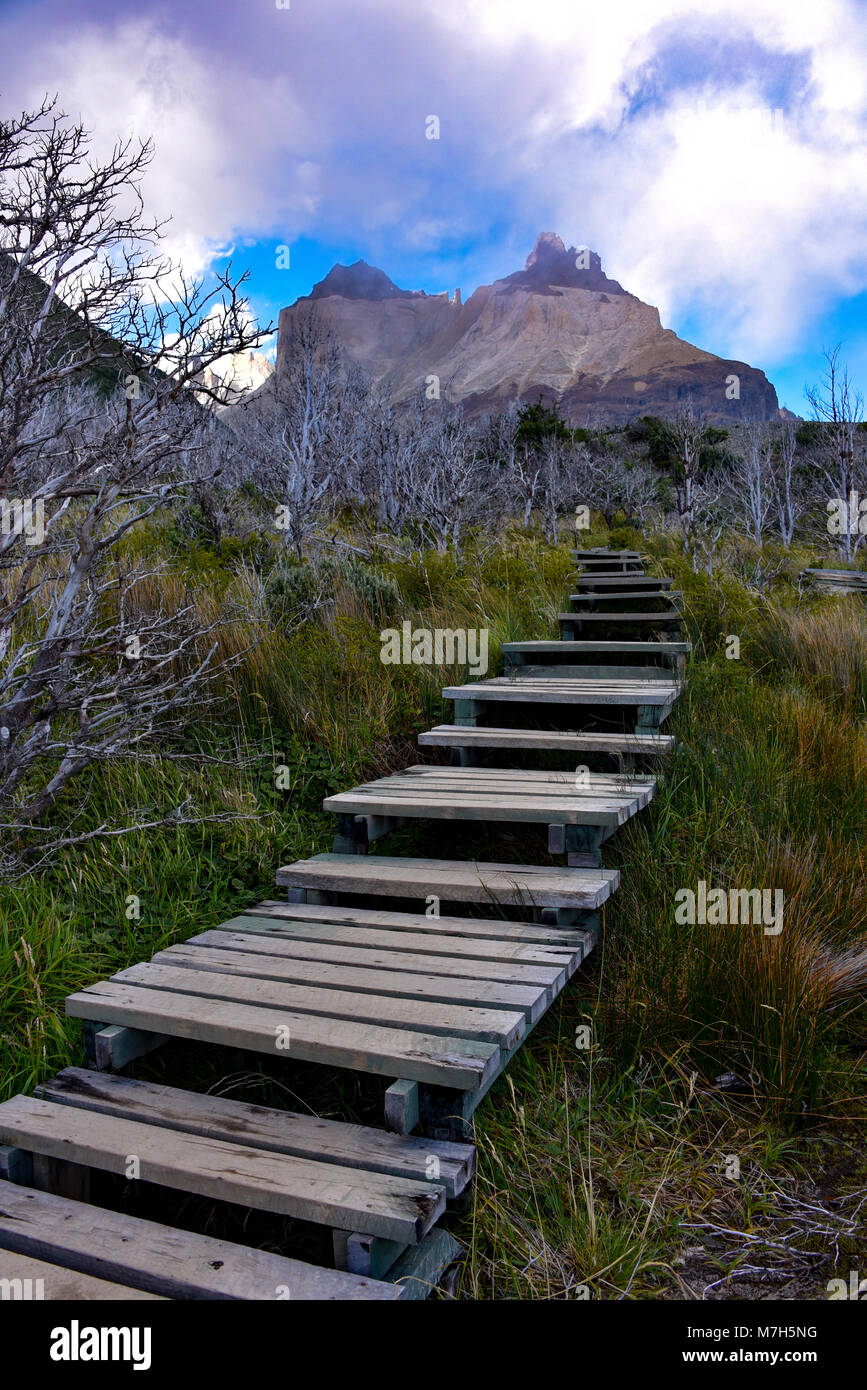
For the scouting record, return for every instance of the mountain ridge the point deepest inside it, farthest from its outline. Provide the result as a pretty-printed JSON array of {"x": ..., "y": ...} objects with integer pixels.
[{"x": 560, "y": 331}]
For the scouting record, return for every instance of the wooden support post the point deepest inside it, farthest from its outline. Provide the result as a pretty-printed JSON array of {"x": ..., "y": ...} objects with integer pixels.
[
  {"x": 16, "y": 1165},
  {"x": 110, "y": 1047},
  {"x": 351, "y": 836},
  {"x": 435, "y": 1262},
  {"x": 401, "y": 1107},
  {"x": 582, "y": 846},
  {"x": 556, "y": 839},
  {"x": 648, "y": 719},
  {"x": 60, "y": 1176},
  {"x": 467, "y": 713},
  {"x": 370, "y": 1256},
  {"x": 445, "y": 1113},
  {"x": 465, "y": 757}
]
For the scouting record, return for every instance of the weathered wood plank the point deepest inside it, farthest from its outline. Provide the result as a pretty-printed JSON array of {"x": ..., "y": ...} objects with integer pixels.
[
  {"x": 616, "y": 647},
  {"x": 262, "y": 1127},
  {"x": 455, "y": 736},
  {"x": 392, "y": 1011},
  {"x": 663, "y": 618},
  {"x": 433, "y": 988},
  {"x": 331, "y": 1042},
  {"x": 269, "y": 936},
  {"x": 428, "y": 944},
  {"x": 24, "y": 1276},
  {"x": 570, "y": 692},
  {"x": 496, "y": 928},
  {"x": 623, "y": 581},
  {"x": 326, "y": 1193},
  {"x": 453, "y": 880},
  {"x": 448, "y": 805},
  {"x": 159, "y": 1259}
]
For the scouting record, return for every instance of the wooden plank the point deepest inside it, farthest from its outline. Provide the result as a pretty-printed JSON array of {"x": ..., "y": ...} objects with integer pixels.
[
  {"x": 564, "y": 670},
  {"x": 623, "y": 581},
  {"x": 672, "y": 598},
  {"x": 262, "y": 1127},
  {"x": 159, "y": 1259},
  {"x": 447, "y": 804},
  {"x": 597, "y": 790},
  {"x": 453, "y": 880},
  {"x": 605, "y": 552},
  {"x": 495, "y": 928},
  {"x": 595, "y": 692},
  {"x": 470, "y": 948},
  {"x": 23, "y": 1277},
  {"x": 616, "y": 647},
  {"x": 330, "y": 1042},
  {"x": 266, "y": 936},
  {"x": 325, "y": 1193},
  {"x": 392, "y": 1011},
  {"x": 434, "y": 988},
  {"x": 456, "y": 736},
  {"x": 663, "y": 618}
]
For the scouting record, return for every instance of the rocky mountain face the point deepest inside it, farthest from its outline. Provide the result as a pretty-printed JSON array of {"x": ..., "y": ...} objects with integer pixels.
[{"x": 559, "y": 331}]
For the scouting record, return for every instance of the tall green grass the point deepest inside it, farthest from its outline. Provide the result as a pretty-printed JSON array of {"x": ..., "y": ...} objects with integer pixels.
[{"x": 767, "y": 788}]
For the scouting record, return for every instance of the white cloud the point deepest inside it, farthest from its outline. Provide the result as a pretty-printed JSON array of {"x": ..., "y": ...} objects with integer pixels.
[{"x": 310, "y": 122}]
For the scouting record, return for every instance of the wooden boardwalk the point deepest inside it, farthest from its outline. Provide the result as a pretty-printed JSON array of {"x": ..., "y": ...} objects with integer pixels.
[
  {"x": 428, "y": 973},
  {"x": 838, "y": 581}
]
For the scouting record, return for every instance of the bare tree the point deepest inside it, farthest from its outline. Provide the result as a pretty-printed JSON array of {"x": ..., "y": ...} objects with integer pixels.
[
  {"x": 839, "y": 407},
  {"x": 697, "y": 490},
  {"x": 751, "y": 481},
  {"x": 99, "y": 427},
  {"x": 786, "y": 496}
]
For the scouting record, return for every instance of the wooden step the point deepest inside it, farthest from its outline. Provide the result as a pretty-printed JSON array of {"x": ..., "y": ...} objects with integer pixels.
[
  {"x": 613, "y": 617},
  {"x": 327, "y": 1193},
  {"x": 500, "y": 794},
  {"x": 488, "y": 928},
  {"x": 603, "y": 553},
  {"x": 454, "y": 880},
  {"x": 546, "y": 690},
  {"x": 838, "y": 581},
  {"x": 502, "y": 1026},
  {"x": 590, "y": 660},
  {"x": 262, "y": 1127},
  {"x": 615, "y": 647},
  {"x": 460, "y": 736},
  {"x": 300, "y": 942},
  {"x": 428, "y": 988},
  {"x": 427, "y": 944},
  {"x": 671, "y": 596},
  {"x": 151, "y": 1260},
  {"x": 463, "y": 1063},
  {"x": 615, "y": 582}
]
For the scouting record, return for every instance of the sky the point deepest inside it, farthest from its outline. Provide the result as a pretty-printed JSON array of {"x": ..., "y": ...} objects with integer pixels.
[{"x": 713, "y": 153}]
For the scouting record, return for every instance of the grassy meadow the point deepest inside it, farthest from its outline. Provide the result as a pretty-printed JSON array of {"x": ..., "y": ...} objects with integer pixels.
[{"x": 622, "y": 1170}]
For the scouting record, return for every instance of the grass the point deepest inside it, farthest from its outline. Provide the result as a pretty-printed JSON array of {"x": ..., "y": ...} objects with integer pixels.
[{"x": 603, "y": 1170}]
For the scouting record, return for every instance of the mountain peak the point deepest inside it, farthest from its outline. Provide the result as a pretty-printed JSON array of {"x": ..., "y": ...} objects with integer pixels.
[
  {"x": 546, "y": 244},
  {"x": 551, "y": 267},
  {"x": 359, "y": 281}
]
